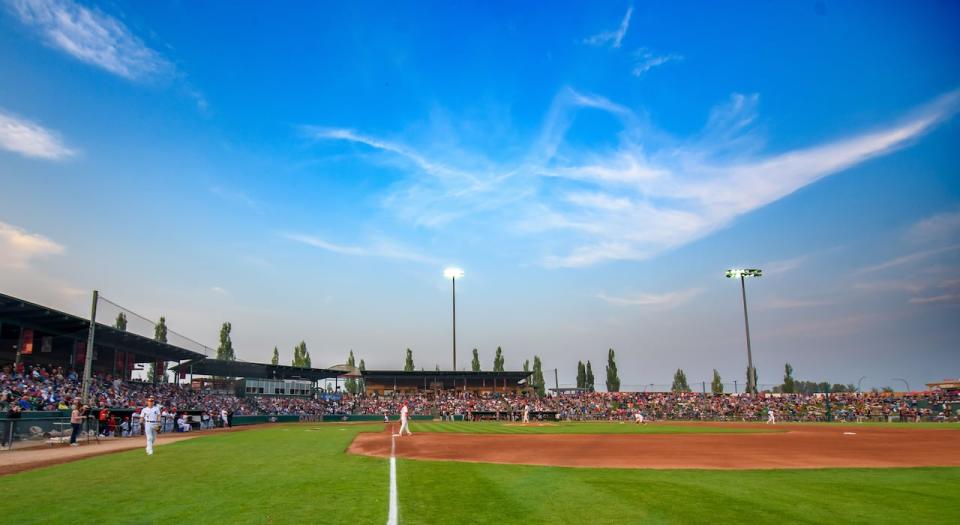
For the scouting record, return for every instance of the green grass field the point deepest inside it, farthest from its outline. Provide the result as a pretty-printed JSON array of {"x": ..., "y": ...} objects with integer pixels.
[{"x": 301, "y": 473}]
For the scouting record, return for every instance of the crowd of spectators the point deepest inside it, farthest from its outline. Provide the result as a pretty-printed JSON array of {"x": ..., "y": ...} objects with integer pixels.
[{"x": 36, "y": 388}]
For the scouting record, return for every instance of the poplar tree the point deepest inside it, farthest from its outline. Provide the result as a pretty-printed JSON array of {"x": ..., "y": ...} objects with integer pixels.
[
  {"x": 475, "y": 364},
  {"x": 351, "y": 383},
  {"x": 121, "y": 323},
  {"x": 225, "y": 350},
  {"x": 275, "y": 360},
  {"x": 157, "y": 373},
  {"x": 538, "y": 383},
  {"x": 613, "y": 380},
  {"x": 716, "y": 386},
  {"x": 589, "y": 384},
  {"x": 788, "y": 382},
  {"x": 581, "y": 375},
  {"x": 498, "y": 360},
  {"x": 408, "y": 363},
  {"x": 680, "y": 382}
]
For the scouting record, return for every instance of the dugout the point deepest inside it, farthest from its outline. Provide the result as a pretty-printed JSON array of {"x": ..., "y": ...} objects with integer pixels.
[
  {"x": 385, "y": 382},
  {"x": 34, "y": 334}
]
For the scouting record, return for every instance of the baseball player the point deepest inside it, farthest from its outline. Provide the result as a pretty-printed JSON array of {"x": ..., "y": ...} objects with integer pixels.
[
  {"x": 638, "y": 418},
  {"x": 771, "y": 418},
  {"x": 526, "y": 413},
  {"x": 151, "y": 423},
  {"x": 404, "y": 420}
]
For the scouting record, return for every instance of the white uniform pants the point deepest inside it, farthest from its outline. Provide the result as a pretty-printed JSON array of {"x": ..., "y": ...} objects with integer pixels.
[
  {"x": 150, "y": 429},
  {"x": 405, "y": 425}
]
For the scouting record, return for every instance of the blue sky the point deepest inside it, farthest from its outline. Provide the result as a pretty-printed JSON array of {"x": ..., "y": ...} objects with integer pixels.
[{"x": 306, "y": 171}]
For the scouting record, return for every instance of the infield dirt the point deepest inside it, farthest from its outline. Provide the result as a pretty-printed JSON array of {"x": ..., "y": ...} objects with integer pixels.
[{"x": 801, "y": 446}]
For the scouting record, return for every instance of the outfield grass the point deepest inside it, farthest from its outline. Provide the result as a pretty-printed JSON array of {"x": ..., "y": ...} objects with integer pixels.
[
  {"x": 447, "y": 492},
  {"x": 301, "y": 473},
  {"x": 280, "y": 474},
  {"x": 579, "y": 427}
]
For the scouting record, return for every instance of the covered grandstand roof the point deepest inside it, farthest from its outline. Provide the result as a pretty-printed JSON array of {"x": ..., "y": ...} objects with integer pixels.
[
  {"x": 448, "y": 378},
  {"x": 55, "y": 322},
  {"x": 221, "y": 367}
]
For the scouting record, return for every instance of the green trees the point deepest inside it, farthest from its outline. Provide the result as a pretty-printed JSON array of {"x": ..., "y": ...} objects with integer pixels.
[
  {"x": 538, "y": 384},
  {"x": 526, "y": 365},
  {"x": 121, "y": 322},
  {"x": 225, "y": 350},
  {"x": 753, "y": 389},
  {"x": 581, "y": 375},
  {"x": 789, "y": 386},
  {"x": 680, "y": 382},
  {"x": 408, "y": 363},
  {"x": 589, "y": 384},
  {"x": 351, "y": 384},
  {"x": 158, "y": 370},
  {"x": 475, "y": 364},
  {"x": 613, "y": 380},
  {"x": 498, "y": 360},
  {"x": 716, "y": 386},
  {"x": 301, "y": 357},
  {"x": 363, "y": 368},
  {"x": 275, "y": 360}
]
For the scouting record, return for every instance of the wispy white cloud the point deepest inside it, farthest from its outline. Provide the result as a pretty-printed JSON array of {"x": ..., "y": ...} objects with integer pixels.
[
  {"x": 236, "y": 197},
  {"x": 30, "y": 139},
  {"x": 943, "y": 226},
  {"x": 613, "y": 38},
  {"x": 379, "y": 248},
  {"x": 219, "y": 290},
  {"x": 942, "y": 298},
  {"x": 20, "y": 248},
  {"x": 92, "y": 36},
  {"x": 783, "y": 266},
  {"x": 950, "y": 295},
  {"x": 648, "y": 193},
  {"x": 898, "y": 285},
  {"x": 644, "y": 60},
  {"x": 667, "y": 299},
  {"x": 907, "y": 259},
  {"x": 781, "y": 303}
]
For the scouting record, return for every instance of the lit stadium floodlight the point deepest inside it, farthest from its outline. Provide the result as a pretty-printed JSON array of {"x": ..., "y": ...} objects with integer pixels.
[
  {"x": 453, "y": 273},
  {"x": 742, "y": 273},
  {"x": 745, "y": 272}
]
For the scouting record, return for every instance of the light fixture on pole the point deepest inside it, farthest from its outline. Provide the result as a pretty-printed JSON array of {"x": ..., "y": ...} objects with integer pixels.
[
  {"x": 742, "y": 273},
  {"x": 452, "y": 274}
]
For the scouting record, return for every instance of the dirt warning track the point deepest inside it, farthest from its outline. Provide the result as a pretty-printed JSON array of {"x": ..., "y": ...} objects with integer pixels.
[{"x": 801, "y": 446}]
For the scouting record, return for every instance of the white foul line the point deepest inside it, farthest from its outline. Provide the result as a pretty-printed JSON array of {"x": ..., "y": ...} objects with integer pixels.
[{"x": 392, "y": 514}]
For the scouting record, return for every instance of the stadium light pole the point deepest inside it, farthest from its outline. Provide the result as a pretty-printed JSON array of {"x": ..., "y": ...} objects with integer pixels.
[
  {"x": 452, "y": 274},
  {"x": 742, "y": 273}
]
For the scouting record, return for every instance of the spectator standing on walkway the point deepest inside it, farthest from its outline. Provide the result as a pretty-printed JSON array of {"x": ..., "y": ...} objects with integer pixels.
[{"x": 76, "y": 420}]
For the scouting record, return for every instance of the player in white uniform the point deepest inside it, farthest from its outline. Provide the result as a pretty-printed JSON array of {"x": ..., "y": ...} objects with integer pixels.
[
  {"x": 405, "y": 420},
  {"x": 771, "y": 418},
  {"x": 526, "y": 413},
  {"x": 638, "y": 418},
  {"x": 151, "y": 423}
]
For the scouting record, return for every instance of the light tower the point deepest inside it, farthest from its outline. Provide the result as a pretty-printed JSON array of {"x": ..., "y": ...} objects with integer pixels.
[
  {"x": 742, "y": 273},
  {"x": 452, "y": 274}
]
